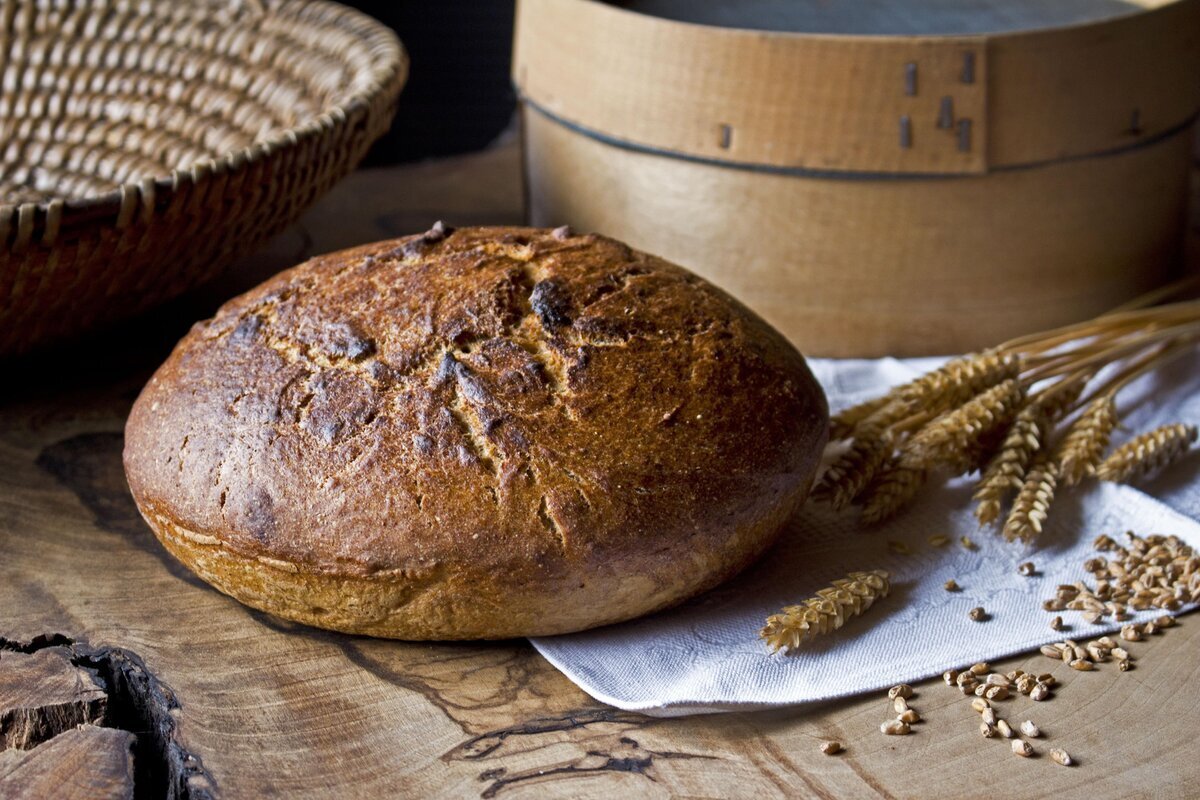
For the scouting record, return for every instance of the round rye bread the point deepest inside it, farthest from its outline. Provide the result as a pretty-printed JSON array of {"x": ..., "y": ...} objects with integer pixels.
[{"x": 475, "y": 434}]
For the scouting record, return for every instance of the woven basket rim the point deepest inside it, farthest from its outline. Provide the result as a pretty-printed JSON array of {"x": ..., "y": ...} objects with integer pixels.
[{"x": 388, "y": 70}]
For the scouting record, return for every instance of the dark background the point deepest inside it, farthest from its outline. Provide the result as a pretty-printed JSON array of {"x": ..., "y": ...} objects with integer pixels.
[{"x": 459, "y": 96}]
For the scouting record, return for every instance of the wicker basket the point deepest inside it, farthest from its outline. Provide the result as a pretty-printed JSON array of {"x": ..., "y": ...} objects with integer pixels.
[{"x": 146, "y": 144}]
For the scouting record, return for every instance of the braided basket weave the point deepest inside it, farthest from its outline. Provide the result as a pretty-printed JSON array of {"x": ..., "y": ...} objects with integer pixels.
[{"x": 144, "y": 144}]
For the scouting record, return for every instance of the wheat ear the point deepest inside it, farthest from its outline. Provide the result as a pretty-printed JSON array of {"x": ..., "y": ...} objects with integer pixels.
[
  {"x": 1005, "y": 472},
  {"x": 894, "y": 488},
  {"x": 957, "y": 439},
  {"x": 847, "y": 476},
  {"x": 1147, "y": 453},
  {"x": 844, "y": 423},
  {"x": 957, "y": 381},
  {"x": 944, "y": 388},
  {"x": 1032, "y": 504},
  {"x": 828, "y": 611},
  {"x": 1083, "y": 446}
]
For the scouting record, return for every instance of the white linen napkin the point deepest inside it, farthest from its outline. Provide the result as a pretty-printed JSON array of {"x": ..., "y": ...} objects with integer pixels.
[{"x": 706, "y": 656}]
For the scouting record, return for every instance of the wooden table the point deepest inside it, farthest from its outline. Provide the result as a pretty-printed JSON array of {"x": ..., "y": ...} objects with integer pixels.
[{"x": 228, "y": 702}]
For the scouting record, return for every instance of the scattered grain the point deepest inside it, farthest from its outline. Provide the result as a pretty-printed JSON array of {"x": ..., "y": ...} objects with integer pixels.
[
  {"x": 1004, "y": 729},
  {"x": 1030, "y": 730},
  {"x": 900, "y": 705},
  {"x": 1040, "y": 692},
  {"x": 952, "y": 586},
  {"x": 831, "y": 748},
  {"x": 1058, "y": 625},
  {"x": 900, "y": 690},
  {"x": 978, "y": 614},
  {"x": 980, "y": 704},
  {"x": 1022, "y": 748},
  {"x": 1027, "y": 569},
  {"x": 1060, "y": 756},
  {"x": 910, "y": 716},
  {"x": 895, "y": 727},
  {"x": 967, "y": 542},
  {"x": 1131, "y": 633},
  {"x": 1082, "y": 664}
]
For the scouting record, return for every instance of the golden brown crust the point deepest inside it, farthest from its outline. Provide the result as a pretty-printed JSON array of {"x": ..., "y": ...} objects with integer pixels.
[{"x": 489, "y": 433}]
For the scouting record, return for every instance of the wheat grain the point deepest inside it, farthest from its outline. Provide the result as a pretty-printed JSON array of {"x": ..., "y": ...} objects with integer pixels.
[
  {"x": 1147, "y": 453},
  {"x": 1060, "y": 756},
  {"x": 1022, "y": 748},
  {"x": 1083, "y": 446},
  {"x": 828, "y": 611}
]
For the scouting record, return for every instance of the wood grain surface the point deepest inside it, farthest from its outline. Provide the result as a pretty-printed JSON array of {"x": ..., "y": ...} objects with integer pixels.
[
  {"x": 228, "y": 702},
  {"x": 84, "y": 763}
]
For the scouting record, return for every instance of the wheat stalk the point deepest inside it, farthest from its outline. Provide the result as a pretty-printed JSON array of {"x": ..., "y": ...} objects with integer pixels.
[
  {"x": 1083, "y": 446},
  {"x": 1147, "y": 453},
  {"x": 828, "y": 611}
]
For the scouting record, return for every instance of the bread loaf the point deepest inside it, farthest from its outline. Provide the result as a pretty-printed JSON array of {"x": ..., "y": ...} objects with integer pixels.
[{"x": 481, "y": 433}]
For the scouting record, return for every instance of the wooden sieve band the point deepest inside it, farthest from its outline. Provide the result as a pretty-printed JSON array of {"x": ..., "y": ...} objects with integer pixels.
[{"x": 846, "y": 104}]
